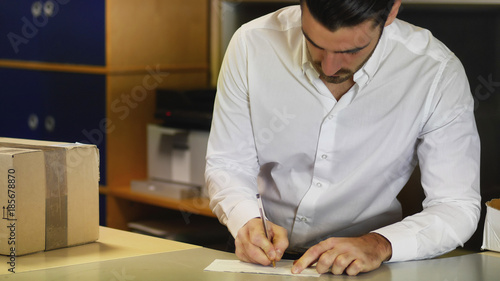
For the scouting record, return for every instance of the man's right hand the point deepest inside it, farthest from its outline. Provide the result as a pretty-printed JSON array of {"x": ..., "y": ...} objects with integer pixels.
[{"x": 253, "y": 246}]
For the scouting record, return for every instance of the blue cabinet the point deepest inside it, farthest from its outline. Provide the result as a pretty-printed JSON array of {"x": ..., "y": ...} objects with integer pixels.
[
  {"x": 55, "y": 31},
  {"x": 56, "y": 106},
  {"x": 51, "y": 105},
  {"x": 19, "y": 37}
]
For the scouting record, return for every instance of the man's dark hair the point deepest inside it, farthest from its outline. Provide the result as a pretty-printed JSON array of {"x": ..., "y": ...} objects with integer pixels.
[{"x": 335, "y": 14}]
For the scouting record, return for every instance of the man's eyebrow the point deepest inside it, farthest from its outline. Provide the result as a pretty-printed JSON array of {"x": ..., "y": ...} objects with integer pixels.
[
  {"x": 311, "y": 41},
  {"x": 350, "y": 51}
]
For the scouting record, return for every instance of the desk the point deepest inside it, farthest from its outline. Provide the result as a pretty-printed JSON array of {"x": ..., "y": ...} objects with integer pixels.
[{"x": 132, "y": 257}]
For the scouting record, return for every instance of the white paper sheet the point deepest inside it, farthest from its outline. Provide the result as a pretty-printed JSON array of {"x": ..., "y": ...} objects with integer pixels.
[{"x": 283, "y": 267}]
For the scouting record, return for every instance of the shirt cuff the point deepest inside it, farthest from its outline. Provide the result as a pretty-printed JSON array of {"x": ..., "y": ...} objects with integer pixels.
[
  {"x": 403, "y": 242},
  {"x": 241, "y": 214}
]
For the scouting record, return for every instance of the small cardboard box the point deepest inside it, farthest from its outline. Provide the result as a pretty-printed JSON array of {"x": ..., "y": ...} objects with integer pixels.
[
  {"x": 491, "y": 235},
  {"x": 71, "y": 193},
  {"x": 22, "y": 197}
]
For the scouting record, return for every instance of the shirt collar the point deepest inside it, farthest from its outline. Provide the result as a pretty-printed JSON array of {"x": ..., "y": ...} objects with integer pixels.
[
  {"x": 306, "y": 63},
  {"x": 366, "y": 73}
]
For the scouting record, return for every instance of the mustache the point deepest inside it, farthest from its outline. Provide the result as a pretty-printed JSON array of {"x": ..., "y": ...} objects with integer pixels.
[
  {"x": 340, "y": 72},
  {"x": 343, "y": 71}
]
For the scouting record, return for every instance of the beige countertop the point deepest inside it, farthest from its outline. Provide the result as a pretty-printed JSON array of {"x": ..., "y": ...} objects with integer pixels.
[
  {"x": 112, "y": 244},
  {"x": 120, "y": 255}
]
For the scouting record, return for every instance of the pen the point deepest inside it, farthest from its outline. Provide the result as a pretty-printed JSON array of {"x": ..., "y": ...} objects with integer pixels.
[{"x": 264, "y": 223}]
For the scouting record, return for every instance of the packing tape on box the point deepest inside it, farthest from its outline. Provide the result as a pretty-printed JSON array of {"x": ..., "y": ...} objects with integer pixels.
[{"x": 56, "y": 215}]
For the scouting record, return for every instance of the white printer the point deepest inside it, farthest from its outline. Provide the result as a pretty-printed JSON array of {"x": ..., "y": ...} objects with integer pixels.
[{"x": 177, "y": 148}]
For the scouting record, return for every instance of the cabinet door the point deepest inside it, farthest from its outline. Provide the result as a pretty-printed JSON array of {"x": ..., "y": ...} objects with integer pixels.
[
  {"x": 74, "y": 33},
  {"x": 56, "y": 31},
  {"x": 19, "y": 31},
  {"x": 21, "y": 104},
  {"x": 69, "y": 107}
]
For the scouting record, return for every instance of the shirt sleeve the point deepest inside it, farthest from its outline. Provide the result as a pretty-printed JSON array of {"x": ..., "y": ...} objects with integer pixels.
[
  {"x": 449, "y": 157},
  {"x": 232, "y": 165}
]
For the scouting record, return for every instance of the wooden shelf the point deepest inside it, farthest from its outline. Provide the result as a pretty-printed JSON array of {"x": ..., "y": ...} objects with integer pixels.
[
  {"x": 106, "y": 70},
  {"x": 198, "y": 206}
]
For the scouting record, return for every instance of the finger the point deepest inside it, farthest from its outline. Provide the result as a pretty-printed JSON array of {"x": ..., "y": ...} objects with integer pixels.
[
  {"x": 309, "y": 257},
  {"x": 301, "y": 264},
  {"x": 242, "y": 256},
  {"x": 247, "y": 252},
  {"x": 249, "y": 241},
  {"x": 259, "y": 238},
  {"x": 280, "y": 241},
  {"x": 256, "y": 255},
  {"x": 325, "y": 261},
  {"x": 240, "y": 250},
  {"x": 354, "y": 268},
  {"x": 341, "y": 263}
]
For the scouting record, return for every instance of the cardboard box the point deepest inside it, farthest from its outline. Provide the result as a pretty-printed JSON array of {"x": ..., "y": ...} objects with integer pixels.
[
  {"x": 71, "y": 192},
  {"x": 491, "y": 235},
  {"x": 22, "y": 197}
]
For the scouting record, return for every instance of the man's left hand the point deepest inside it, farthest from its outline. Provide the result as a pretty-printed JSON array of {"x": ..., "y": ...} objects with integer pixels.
[{"x": 349, "y": 255}]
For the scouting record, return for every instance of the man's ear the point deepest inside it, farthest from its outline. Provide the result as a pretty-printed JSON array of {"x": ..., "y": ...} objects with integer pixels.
[{"x": 394, "y": 12}]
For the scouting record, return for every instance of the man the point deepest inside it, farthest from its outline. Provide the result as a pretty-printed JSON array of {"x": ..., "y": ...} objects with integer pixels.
[{"x": 325, "y": 110}]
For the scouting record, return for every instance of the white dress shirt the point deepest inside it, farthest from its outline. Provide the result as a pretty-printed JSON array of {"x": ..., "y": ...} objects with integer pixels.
[{"x": 334, "y": 168}]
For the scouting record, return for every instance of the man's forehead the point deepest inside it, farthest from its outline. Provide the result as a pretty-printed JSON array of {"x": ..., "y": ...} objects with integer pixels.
[
  {"x": 366, "y": 30},
  {"x": 343, "y": 40}
]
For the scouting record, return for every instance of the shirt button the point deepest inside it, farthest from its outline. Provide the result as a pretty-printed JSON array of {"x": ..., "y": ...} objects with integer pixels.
[
  {"x": 330, "y": 117},
  {"x": 324, "y": 156},
  {"x": 303, "y": 219},
  {"x": 319, "y": 184}
]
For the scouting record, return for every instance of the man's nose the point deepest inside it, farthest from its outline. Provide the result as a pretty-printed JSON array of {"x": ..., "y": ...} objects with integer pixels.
[{"x": 331, "y": 63}]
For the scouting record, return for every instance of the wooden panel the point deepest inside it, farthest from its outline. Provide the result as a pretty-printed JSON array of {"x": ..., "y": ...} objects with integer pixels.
[
  {"x": 150, "y": 44},
  {"x": 157, "y": 31},
  {"x": 131, "y": 102},
  {"x": 215, "y": 44}
]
